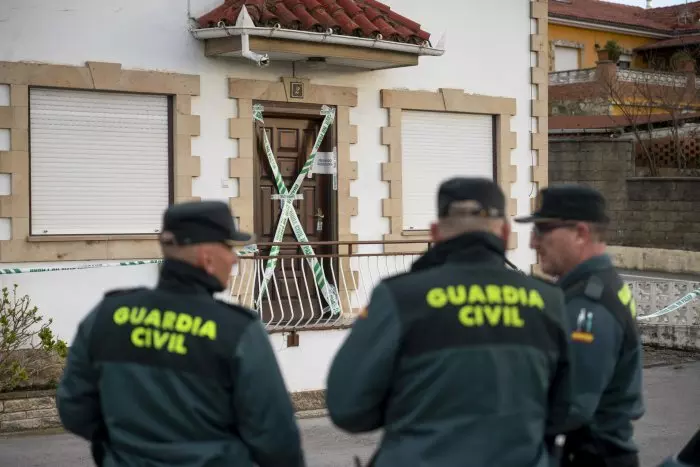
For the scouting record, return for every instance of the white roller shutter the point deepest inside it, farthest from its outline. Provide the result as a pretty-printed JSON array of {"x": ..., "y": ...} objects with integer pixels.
[
  {"x": 436, "y": 146},
  {"x": 99, "y": 162},
  {"x": 565, "y": 58}
]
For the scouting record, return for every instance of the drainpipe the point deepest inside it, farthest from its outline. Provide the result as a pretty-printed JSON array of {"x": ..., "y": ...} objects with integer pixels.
[{"x": 244, "y": 21}]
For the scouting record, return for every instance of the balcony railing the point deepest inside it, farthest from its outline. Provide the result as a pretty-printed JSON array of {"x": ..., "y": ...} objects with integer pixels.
[
  {"x": 320, "y": 291},
  {"x": 584, "y": 75},
  {"x": 588, "y": 75}
]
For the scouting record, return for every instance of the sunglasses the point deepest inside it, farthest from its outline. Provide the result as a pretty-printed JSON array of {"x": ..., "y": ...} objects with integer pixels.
[{"x": 543, "y": 228}]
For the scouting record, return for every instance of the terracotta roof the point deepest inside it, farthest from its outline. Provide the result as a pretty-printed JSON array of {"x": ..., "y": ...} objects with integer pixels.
[
  {"x": 359, "y": 18},
  {"x": 688, "y": 39},
  {"x": 591, "y": 122},
  {"x": 606, "y": 12}
]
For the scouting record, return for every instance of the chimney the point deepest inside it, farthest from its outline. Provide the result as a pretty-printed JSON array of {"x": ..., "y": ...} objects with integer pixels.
[{"x": 648, "y": 4}]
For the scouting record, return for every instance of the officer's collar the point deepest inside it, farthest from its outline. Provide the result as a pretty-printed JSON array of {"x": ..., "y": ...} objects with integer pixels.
[
  {"x": 183, "y": 277},
  {"x": 474, "y": 247},
  {"x": 590, "y": 266}
]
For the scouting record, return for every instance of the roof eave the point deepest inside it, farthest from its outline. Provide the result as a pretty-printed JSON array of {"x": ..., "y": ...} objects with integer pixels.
[
  {"x": 609, "y": 26},
  {"x": 308, "y": 36}
]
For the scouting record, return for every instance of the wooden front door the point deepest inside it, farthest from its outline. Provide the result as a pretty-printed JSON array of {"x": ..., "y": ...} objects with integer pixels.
[{"x": 293, "y": 295}]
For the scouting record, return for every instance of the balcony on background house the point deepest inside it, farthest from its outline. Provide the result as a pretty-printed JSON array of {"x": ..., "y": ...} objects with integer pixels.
[{"x": 610, "y": 90}]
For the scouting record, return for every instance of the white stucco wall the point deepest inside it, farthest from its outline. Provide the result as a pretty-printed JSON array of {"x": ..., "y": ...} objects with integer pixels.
[{"x": 488, "y": 53}]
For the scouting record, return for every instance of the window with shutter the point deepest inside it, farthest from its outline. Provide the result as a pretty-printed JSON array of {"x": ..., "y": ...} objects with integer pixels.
[
  {"x": 436, "y": 146},
  {"x": 100, "y": 162},
  {"x": 566, "y": 58}
]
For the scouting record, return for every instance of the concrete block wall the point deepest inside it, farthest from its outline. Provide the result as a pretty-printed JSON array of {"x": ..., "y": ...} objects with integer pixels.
[
  {"x": 645, "y": 212},
  {"x": 32, "y": 410}
]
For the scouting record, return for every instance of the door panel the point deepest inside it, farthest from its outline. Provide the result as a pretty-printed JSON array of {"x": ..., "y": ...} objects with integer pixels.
[{"x": 291, "y": 140}]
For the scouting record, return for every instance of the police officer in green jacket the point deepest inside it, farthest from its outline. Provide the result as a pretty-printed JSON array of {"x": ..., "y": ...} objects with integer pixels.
[
  {"x": 170, "y": 376},
  {"x": 569, "y": 238},
  {"x": 462, "y": 361}
]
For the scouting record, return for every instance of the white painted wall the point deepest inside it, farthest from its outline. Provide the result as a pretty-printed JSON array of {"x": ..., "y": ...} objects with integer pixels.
[{"x": 488, "y": 53}]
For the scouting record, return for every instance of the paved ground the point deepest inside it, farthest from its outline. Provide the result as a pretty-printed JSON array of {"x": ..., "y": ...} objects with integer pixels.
[{"x": 673, "y": 414}]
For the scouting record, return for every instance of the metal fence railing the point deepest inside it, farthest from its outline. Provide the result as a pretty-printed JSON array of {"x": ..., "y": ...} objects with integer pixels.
[{"x": 295, "y": 297}]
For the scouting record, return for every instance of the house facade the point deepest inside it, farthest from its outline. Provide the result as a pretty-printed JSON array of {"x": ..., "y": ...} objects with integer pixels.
[
  {"x": 111, "y": 111},
  {"x": 649, "y": 37}
]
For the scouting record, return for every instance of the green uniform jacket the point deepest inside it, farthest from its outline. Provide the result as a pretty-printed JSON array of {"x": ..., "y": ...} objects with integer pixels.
[
  {"x": 172, "y": 377},
  {"x": 607, "y": 356},
  {"x": 462, "y": 362}
]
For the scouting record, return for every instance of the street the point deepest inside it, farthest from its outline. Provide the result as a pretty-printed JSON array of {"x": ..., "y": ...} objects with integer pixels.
[{"x": 673, "y": 414}]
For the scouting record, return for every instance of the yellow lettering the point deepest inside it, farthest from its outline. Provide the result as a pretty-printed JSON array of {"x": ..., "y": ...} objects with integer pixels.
[
  {"x": 515, "y": 320},
  {"x": 536, "y": 300},
  {"x": 522, "y": 291},
  {"x": 196, "y": 325},
  {"x": 493, "y": 314},
  {"x": 465, "y": 316},
  {"x": 476, "y": 294},
  {"x": 121, "y": 315},
  {"x": 436, "y": 298},
  {"x": 138, "y": 337},
  {"x": 160, "y": 338},
  {"x": 493, "y": 292},
  {"x": 510, "y": 295},
  {"x": 457, "y": 294},
  {"x": 208, "y": 330},
  {"x": 180, "y": 346},
  {"x": 153, "y": 318},
  {"x": 168, "y": 323},
  {"x": 137, "y": 315},
  {"x": 184, "y": 323}
]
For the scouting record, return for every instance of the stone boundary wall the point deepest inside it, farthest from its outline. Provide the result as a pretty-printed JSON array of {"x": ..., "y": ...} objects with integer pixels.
[{"x": 36, "y": 410}]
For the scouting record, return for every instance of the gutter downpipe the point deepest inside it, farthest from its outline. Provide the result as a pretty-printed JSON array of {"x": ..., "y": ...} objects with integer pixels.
[
  {"x": 244, "y": 22},
  {"x": 251, "y": 30}
]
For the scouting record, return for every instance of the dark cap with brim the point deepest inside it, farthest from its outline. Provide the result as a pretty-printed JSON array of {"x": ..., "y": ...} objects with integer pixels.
[
  {"x": 470, "y": 196},
  {"x": 197, "y": 222},
  {"x": 568, "y": 203}
]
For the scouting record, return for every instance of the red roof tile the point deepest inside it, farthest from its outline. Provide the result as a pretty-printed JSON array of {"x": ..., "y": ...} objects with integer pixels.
[
  {"x": 685, "y": 40},
  {"x": 607, "y": 12},
  {"x": 360, "y": 18}
]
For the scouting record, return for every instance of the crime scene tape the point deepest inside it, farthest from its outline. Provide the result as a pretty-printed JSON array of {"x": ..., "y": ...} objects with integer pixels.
[
  {"x": 680, "y": 303},
  {"x": 6, "y": 271}
]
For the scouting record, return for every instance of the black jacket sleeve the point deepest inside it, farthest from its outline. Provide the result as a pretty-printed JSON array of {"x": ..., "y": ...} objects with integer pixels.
[
  {"x": 361, "y": 372},
  {"x": 263, "y": 408}
]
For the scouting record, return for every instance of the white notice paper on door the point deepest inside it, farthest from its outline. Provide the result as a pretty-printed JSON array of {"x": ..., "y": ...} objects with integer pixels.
[{"x": 325, "y": 163}]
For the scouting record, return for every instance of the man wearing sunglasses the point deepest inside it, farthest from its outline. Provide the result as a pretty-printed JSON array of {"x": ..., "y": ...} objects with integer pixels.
[
  {"x": 171, "y": 376},
  {"x": 463, "y": 361},
  {"x": 569, "y": 238}
]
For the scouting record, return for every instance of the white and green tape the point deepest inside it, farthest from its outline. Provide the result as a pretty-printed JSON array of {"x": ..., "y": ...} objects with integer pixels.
[
  {"x": 7, "y": 271},
  {"x": 680, "y": 303},
  {"x": 287, "y": 197}
]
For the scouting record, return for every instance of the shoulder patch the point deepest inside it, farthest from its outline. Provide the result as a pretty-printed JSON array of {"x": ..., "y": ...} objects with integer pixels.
[
  {"x": 594, "y": 288},
  {"x": 241, "y": 309},
  {"x": 114, "y": 292}
]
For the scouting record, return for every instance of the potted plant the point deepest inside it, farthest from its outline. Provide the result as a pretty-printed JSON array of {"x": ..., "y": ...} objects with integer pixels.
[
  {"x": 611, "y": 51},
  {"x": 683, "y": 61}
]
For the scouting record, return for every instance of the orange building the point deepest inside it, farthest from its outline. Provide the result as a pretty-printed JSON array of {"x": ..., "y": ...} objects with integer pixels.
[{"x": 648, "y": 36}]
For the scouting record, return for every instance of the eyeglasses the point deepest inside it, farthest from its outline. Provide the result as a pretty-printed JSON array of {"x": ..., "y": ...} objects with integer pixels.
[{"x": 543, "y": 228}]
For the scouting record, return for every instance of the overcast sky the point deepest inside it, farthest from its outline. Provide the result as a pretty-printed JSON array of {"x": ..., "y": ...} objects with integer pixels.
[{"x": 643, "y": 3}]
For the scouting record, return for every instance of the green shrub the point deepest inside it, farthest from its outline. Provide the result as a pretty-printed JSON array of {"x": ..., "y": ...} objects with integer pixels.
[{"x": 28, "y": 348}]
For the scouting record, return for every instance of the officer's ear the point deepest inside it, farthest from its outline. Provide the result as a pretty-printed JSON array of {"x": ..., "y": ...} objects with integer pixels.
[
  {"x": 506, "y": 231},
  {"x": 435, "y": 233}
]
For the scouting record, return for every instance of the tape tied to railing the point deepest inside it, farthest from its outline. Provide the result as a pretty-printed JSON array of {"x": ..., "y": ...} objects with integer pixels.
[{"x": 287, "y": 197}]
